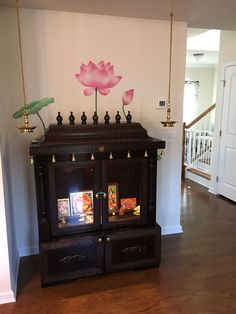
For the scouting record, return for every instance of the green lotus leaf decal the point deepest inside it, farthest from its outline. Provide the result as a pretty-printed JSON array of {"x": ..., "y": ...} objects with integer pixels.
[{"x": 33, "y": 107}]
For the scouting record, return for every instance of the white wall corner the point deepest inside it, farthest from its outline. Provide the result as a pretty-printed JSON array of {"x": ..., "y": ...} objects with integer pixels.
[
  {"x": 14, "y": 279},
  {"x": 171, "y": 230},
  {"x": 7, "y": 297}
]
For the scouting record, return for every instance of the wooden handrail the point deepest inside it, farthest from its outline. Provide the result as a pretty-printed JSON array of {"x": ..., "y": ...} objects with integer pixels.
[
  {"x": 200, "y": 116},
  {"x": 187, "y": 126}
]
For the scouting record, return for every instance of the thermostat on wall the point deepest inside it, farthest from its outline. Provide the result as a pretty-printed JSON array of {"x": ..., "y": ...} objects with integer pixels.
[{"x": 161, "y": 103}]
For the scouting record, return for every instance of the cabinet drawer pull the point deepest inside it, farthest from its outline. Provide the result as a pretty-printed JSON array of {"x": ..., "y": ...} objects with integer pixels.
[
  {"x": 72, "y": 259},
  {"x": 134, "y": 249},
  {"x": 108, "y": 239},
  {"x": 99, "y": 239}
]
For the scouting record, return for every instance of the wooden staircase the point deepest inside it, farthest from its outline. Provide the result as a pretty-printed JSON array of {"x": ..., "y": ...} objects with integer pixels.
[
  {"x": 200, "y": 173},
  {"x": 197, "y": 146}
]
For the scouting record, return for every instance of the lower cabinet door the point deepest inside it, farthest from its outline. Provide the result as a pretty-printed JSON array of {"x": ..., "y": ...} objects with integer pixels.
[
  {"x": 133, "y": 249},
  {"x": 66, "y": 259}
]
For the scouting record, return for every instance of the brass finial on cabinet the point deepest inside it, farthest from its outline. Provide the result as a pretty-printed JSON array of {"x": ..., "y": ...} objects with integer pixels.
[{"x": 31, "y": 160}]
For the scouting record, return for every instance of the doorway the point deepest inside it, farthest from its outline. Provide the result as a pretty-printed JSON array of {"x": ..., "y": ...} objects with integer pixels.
[{"x": 201, "y": 79}]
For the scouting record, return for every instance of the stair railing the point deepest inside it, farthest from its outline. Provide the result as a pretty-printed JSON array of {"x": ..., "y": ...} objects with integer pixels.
[{"x": 197, "y": 142}]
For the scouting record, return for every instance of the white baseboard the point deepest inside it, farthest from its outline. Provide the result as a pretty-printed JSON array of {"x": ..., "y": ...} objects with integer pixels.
[
  {"x": 171, "y": 230},
  {"x": 7, "y": 297},
  {"x": 33, "y": 250},
  {"x": 10, "y": 296},
  {"x": 212, "y": 191},
  {"x": 198, "y": 179}
]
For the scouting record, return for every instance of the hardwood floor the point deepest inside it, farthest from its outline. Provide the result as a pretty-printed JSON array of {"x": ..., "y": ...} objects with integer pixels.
[{"x": 197, "y": 273}]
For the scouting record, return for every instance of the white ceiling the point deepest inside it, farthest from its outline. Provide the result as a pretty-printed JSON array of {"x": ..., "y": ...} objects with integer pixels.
[
  {"x": 203, "y": 39},
  {"x": 210, "y": 14},
  {"x": 208, "y": 60},
  {"x": 206, "y": 42}
]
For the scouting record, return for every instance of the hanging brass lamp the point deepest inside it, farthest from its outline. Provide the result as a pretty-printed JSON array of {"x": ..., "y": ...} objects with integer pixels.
[
  {"x": 26, "y": 128},
  {"x": 169, "y": 122}
]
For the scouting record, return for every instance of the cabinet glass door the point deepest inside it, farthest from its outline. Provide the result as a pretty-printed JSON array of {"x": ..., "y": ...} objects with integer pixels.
[
  {"x": 73, "y": 204},
  {"x": 125, "y": 183}
]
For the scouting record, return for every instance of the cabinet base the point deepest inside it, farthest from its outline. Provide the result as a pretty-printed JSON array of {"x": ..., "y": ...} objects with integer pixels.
[{"x": 93, "y": 254}]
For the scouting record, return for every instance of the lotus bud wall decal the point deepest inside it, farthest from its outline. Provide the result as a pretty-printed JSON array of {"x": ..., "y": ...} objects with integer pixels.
[
  {"x": 127, "y": 99},
  {"x": 96, "y": 78}
]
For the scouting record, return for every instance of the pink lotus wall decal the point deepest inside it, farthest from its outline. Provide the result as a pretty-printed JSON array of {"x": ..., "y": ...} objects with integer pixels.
[
  {"x": 127, "y": 99},
  {"x": 96, "y": 78}
]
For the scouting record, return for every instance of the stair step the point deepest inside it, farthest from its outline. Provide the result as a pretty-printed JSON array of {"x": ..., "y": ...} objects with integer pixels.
[{"x": 200, "y": 173}]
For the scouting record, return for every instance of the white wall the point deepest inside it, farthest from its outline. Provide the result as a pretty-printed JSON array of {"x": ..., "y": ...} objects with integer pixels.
[
  {"x": 227, "y": 47},
  {"x": 9, "y": 254},
  {"x": 6, "y": 290},
  {"x": 206, "y": 96},
  {"x": 54, "y": 46}
]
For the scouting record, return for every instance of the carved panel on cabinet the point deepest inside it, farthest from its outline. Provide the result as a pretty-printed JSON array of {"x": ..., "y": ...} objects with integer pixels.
[
  {"x": 71, "y": 258},
  {"x": 133, "y": 249}
]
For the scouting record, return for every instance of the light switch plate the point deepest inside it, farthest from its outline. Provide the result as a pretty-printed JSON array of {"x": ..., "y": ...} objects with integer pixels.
[{"x": 167, "y": 136}]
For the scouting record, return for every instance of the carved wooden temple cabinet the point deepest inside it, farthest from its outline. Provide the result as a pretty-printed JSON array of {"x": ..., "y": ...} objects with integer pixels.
[{"x": 96, "y": 200}]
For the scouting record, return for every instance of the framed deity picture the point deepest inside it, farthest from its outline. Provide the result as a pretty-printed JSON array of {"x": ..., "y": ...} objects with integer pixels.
[
  {"x": 63, "y": 207},
  {"x": 113, "y": 197},
  {"x": 128, "y": 203},
  {"x": 81, "y": 203}
]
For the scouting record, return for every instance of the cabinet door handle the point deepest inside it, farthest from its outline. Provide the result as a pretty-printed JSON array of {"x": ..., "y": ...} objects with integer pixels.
[
  {"x": 99, "y": 239},
  {"x": 108, "y": 239},
  {"x": 101, "y": 193}
]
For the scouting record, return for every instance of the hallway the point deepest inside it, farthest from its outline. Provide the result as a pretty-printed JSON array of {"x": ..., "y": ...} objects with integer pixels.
[{"x": 197, "y": 272}]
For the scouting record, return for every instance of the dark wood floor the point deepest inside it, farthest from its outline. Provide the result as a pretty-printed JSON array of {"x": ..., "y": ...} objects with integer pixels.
[{"x": 197, "y": 273}]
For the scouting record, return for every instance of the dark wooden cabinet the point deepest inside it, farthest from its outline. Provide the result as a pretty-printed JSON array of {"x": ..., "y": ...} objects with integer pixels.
[{"x": 96, "y": 200}]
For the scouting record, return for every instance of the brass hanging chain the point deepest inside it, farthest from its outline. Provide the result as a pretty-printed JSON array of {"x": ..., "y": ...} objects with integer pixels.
[
  {"x": 171, "y": 44},
  {"x": 21, "y": 57},
  {"x": 169, "y": 122}
]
